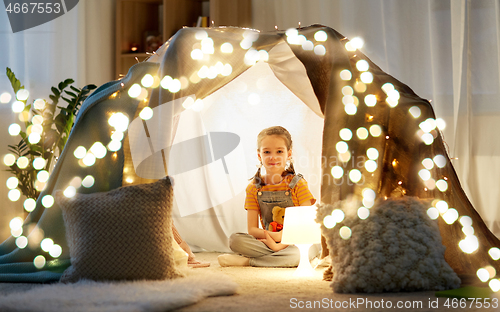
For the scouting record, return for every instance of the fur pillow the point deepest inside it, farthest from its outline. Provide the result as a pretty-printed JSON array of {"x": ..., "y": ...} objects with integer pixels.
[
  {"x": 123, "y": 234},
  {"x": 397, "y": 248}
]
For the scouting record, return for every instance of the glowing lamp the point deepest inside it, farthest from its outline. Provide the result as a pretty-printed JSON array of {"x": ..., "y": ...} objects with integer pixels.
[{"x": 300, "y": 229}]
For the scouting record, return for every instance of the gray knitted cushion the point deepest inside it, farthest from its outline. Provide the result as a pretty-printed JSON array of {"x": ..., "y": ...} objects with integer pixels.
[
  {"x": 123, "y": 234},
  {"x": 397, "y": 248}
]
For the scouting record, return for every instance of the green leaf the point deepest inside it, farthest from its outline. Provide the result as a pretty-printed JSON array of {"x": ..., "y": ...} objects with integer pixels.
[
  {"x": 67, "y": 100},
  {"x": 55, "y": 91},
  {"x": 71, "y": 94}
]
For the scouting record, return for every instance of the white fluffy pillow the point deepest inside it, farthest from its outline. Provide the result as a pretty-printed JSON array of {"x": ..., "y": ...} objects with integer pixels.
[{"x": 397, "y": 248}]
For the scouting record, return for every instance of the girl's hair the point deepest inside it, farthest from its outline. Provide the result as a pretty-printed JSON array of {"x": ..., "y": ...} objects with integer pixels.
[{"x": 285, "y": 135}]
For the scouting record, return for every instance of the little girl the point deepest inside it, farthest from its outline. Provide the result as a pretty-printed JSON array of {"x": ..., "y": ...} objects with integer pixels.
[{"x": 279, "y": 186}]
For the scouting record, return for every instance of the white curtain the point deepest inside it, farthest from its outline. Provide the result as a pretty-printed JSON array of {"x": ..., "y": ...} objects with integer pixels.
[
  {"x": 77, "y": 45},
  {"x": 447, "y": 51}
]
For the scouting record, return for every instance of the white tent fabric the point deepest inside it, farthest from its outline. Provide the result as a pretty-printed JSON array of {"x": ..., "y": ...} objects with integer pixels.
[{"x": 257, "y": 99}]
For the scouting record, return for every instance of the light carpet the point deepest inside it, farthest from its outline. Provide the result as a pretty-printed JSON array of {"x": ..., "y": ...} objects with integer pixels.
[{"x": 143, "y": 296}]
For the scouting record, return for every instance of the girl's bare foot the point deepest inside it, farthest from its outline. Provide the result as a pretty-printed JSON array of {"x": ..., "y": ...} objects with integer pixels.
[
  {"x": 193, "y": 263},
  {"x": 227, "y": 260}
]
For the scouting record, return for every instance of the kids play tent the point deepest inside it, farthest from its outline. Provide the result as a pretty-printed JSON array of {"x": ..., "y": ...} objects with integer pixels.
[{"x": 193, "y": 112}]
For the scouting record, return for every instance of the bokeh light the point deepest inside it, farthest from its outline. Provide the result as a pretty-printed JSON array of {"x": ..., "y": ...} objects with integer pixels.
[
  {"x": 494, "y": 285},
  {"x": 355, "y": 175},
  {"x": 88, "y": 181},
  {"x": 350, "y": 109},
  {"x": 428, "y": 163},
  {"x": 43, "y": 176},
  {"x": 345, "y": 232},
  {"x": 442, "y": 185},
  {"x": 29, "y": 204},
  {"x": 98, "y": 150},
  {"x": 366, "y": 77},
  {"x": 69, "y": 192},
  {"x": 146, "y": 113},
  {"x": 320, "y": 35},
  {"x": 5, "y": 97},
  {"x": 375, "y": 131},
  {"x": 362, "y": 65},
  {"x": 345, "y": 74},
  {"x": 357, "y": 42},
  {"x": 34, "y": 138},
  {"x": 22, "y": 162},
  {"x": 466, "y": 221},
  {"x": 337, "y": 172},
  {"x": 362, "y": 133},
  {"x": 12, "y": 183},
  {"x": 14, "y": 129},
  {"x": 363, "y": 213},
  {"x": 39, "y": 104},
  {"x": 338, "y": 215},
  {"x": 342, "y": 147},
  {"x": 424, "y": 174},
  {"x": 370, "y": 100},
  {"x": 22, "y": 95},
  {"x": 135, "y": 90},
  {"x": 329, "y": 222},
  {"x": 46, "y": 244},
  {"x": 345, "y": 134},
  {"x": 14, "y": 195},
  {"x": 226, "y": 47},
  {"x": 147, "y": 81},
  {"x": 469, "y": 244},
  {"x": 39, "y": 163},
  {"x": 319, "y": 50},
  {"x": 371, "y": 165},
  {"x": 119, "y": 121},
  {"x": 387, "y": 87},
  {"x": 372, "y": 153},
  {"x": 494, "y": 253},
  {"x": 39, "y": 261},
  {"x": 347, "y": 90},
  {"x": 433, "y": 213},
  {"x": 114, "y": 145},
  {"x": 483, "y": 275},
  {"x": 450, "y": 216},
  {"x": 55, "y": 251},
  {"x": 442, "y": 206},
  {"x": 21, "y": 242},
  {"x": 80, "y": 152},
  {"x": 18, "y": 106},
  {"x": 440, "y": 161},
  {"x": 47, "y": 201}
]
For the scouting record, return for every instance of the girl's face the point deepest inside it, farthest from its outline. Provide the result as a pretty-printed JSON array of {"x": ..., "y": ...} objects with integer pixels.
[{"x": 273, "y": 154}]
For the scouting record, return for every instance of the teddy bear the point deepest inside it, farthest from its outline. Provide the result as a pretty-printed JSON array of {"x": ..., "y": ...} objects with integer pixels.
[{"x": 278, "y": 219}]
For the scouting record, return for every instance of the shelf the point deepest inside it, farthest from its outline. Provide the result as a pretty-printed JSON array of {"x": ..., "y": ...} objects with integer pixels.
[{"x": 160, "y": 19}]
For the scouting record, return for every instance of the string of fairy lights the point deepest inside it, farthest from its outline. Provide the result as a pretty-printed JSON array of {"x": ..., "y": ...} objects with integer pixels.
[{"x": 210, "y": 67}]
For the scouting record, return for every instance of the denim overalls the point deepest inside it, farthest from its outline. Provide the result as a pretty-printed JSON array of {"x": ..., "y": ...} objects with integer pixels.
[{"x": 268, "y": 199}]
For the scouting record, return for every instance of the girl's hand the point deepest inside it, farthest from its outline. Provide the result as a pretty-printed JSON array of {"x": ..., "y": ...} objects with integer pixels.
[
  {"x": 271, "y": 243},
  {"x": 276, "y": 236}
]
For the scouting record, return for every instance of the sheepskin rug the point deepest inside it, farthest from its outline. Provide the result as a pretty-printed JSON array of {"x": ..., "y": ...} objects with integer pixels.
[
  {"x": 396, "y": 248},
  {"x": 137, "y": 296}
]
